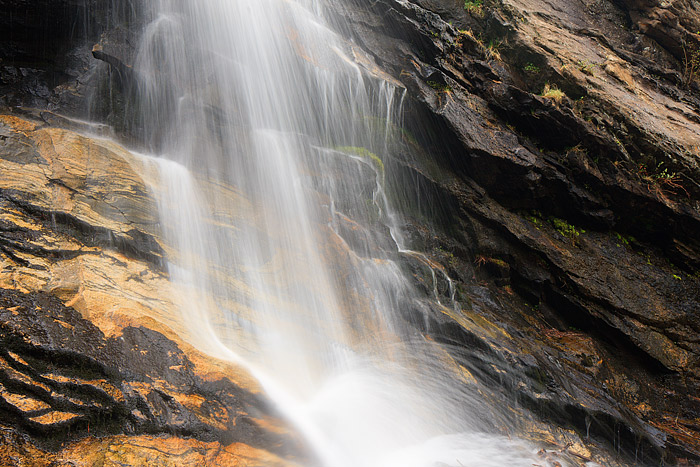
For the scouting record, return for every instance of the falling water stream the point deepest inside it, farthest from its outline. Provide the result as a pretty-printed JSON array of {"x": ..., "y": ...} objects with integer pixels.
[{"x": 270, "y": 138}]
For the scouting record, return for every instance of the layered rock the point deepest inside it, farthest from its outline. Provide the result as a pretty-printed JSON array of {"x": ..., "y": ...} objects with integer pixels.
[
  {"x": 568, "y": 223},
  {"x": 133, "y": 397},
  {"x": 568, "y": 216},
  {"x": 94, "y": 364}
]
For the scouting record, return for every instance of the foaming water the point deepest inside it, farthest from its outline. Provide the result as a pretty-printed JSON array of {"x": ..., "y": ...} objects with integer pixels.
[{"x": 282, "y": 244}]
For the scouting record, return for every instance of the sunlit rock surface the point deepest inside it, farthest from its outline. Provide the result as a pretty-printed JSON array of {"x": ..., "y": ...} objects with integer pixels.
[
  {"x": 570, "y": 230},
  {"x": 91, "y": 344}
]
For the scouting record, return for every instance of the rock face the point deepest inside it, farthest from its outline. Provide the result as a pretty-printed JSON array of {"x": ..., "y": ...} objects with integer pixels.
[
  {"x": 570, "y": 216},
  {"x": 79, "y": 240},
  {"x": 62, "y": 379},
  {"x": 567, "y": 220},
  {"x": 40, "y": 63}
]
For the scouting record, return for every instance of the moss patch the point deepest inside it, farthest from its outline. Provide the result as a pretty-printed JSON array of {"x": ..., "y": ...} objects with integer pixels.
[{"x": 364, "y": 153}]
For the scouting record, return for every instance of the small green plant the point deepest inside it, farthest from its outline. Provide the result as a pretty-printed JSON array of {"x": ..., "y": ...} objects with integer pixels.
[
  {"x": 586, "y": 67},
  {"x": 535, "y": 217},
  {"x": 677, "y": 277},
  {"x": 492, "y": 50},
  {"x": 451, "y": 259},
  {"x": 661, "y": 180},
  {"x": 439, "y": 87},
  {"x": 489, "y": 51},
  {"x": 531, "y": 68},
  {"x": 475, "y": 7},
  {"x": 553, "y": 93},
  {"x": 626, "y": 240},
  {"x": 466, "y": 32},
  {"x": 364, "y": 153},
  {"x": 566, "y": 229},
  {"x": 621, "y": 239}
]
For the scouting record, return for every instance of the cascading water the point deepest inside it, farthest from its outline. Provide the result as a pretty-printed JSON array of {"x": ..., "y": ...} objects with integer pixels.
[{"x": 271, "y": 139}]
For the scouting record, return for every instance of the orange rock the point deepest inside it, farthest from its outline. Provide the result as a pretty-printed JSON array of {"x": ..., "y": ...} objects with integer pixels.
[
  {"x": 54, "y": 418},
  {"x": 89, "y": 233},
  {"x": 165, "y": 451},
  {"x": 22, "y": 402}
]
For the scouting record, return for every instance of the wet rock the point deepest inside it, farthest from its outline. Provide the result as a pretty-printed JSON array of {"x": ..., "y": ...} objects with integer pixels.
[
  {"x": 110, "y": 374},
  {"x": 569, "y": 227},
  {"x": 46, "y": 60},
  {"x": 63, "y": 380},
  {"x": 63, "y": 179},
  {"x": 40, "y": 58},
  {"x": 674, "y": 25},
  {"x": 569, "y": 222}
]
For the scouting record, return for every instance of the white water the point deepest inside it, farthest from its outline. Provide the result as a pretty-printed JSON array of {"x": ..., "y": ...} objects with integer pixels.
[{"x": 283, "y": 244}]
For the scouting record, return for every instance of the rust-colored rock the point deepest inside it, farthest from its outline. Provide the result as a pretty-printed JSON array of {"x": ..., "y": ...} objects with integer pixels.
[
  {"x": 569, "y": 230},
  {"x": 135, "y": 451},
  {"x": 93, "y": 344},
  {"x": 62, "y": 380}
]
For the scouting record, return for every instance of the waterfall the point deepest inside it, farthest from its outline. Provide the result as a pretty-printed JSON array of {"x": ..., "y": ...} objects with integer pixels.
[{"x": 271, "y": 132}]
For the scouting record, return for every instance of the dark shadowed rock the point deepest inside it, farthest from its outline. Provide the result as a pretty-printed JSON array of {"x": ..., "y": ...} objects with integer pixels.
[
  {"x": 63, "y": 380},
  {"x": 577, "y": 215},
  {"x": 568, "y": 222}
]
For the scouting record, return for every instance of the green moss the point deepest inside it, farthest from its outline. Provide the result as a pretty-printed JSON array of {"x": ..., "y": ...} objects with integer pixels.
[
  {"x": 531, "y": 68},
  {"x": 535, "y": 217},
  {"x": 499, "y": 262},
  {"x": 474, "y": 6},
  {"x": 364, "y": 153},
  {"x": 439, "y": 87},
  {"x": 408, "y": 137},
  {"x": 566, "y": 229}
]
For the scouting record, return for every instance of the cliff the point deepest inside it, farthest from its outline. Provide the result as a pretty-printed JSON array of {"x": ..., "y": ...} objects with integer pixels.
[
  {"x": 554, "y": 145},
  {"x": 93, "y": 366},
  {"x": 559, "y": 147}
]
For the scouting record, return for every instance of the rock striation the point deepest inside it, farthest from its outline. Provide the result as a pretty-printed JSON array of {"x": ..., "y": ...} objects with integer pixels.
[
  {"x": 94, "y": 368},
  {"x": 555, "y": 145},
  {"x": 558, "y": 145}
]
